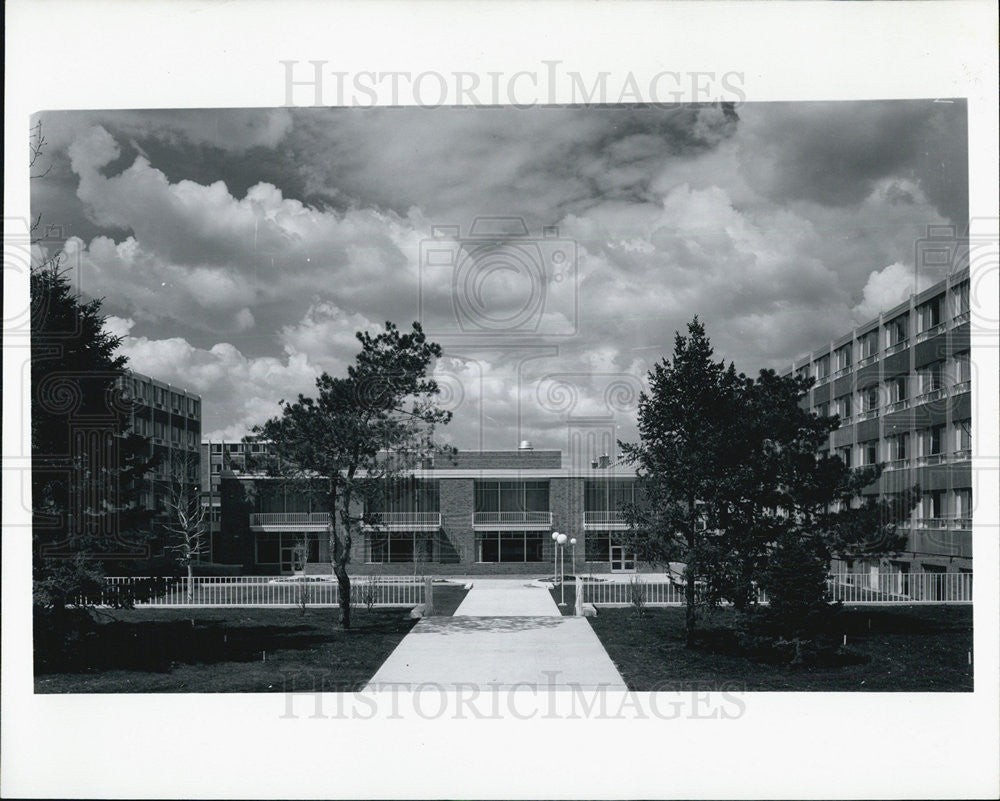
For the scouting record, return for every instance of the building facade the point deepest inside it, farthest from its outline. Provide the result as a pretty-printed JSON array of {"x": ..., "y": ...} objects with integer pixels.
[
  {"x": 901, "y": 384},
  {"x": 169, "y": 417},
  {"x": 484, "y": 512}
]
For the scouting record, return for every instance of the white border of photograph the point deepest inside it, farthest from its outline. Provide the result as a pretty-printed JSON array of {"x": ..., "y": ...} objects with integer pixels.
[{"x": 88, "y": 54}]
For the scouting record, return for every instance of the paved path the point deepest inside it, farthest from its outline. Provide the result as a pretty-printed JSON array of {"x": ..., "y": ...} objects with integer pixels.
[{"x": 505, "y": 634}]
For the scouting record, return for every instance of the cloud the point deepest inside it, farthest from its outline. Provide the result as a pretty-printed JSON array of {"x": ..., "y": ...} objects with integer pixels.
[{"x": 889, "y": 287}]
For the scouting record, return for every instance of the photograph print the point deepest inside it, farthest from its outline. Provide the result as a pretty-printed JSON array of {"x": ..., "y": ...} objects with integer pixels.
[{"x": 582, "y": 397}]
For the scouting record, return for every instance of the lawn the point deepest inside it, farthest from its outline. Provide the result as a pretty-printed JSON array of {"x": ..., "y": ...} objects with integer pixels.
[
  {"x": 889, "y": 648},
  {"x": 226, "y": 650}
]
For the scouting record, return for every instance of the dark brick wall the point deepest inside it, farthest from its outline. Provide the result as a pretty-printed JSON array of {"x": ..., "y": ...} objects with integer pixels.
[{"x": 501, "y": 460}]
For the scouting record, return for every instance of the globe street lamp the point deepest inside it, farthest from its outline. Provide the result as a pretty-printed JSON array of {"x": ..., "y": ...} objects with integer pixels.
[
  {"x": 561, "y": 541},
  {"x": 555, "y": 557}
]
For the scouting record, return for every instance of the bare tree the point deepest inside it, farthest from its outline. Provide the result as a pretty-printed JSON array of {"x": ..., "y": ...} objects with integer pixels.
[{"x": 185, "y": 527}]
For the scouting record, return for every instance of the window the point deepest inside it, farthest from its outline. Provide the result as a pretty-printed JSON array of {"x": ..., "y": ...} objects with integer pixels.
[
  {"x": 216, "y": 468},
  {"x": 897, "y": 330},
  {"x": 933, "y": 438},
  {"x": 869, "y": 452},
  {"x": 511, "y": 546},
  {"x": 929, "y": 313},
  {"x": 930, "y": 377},
  {"x": 158, "y": 429},
  {"x": 869, "y": 398},
  {"x": 608, "y": 495},
  {"x": 842, "y": 357},
  {"x": 821, "y": 367},
  {"x": 158, "y": 395},
  {"x": 407, "y": 495},
  {"x": 898, "y": 446},
  {"x": 897, "y": 389},
  {"x": 963, "y": 435},
  {"x": 963, "y": 503},
  {"x": 868, "y": 344},
  {"x": 845, "y": 455},
  {"x": 512, "y": 496},
  {"x": 823, "y": 410},
  {"x": 597, "y": 546},
  {"x": 842, "y": 406},
  {"x": 960, "y": 299},
  {"x": 216, "y": 447},
  {"x": 934, "y": 504},
  {"x": 961, "y": 369}
]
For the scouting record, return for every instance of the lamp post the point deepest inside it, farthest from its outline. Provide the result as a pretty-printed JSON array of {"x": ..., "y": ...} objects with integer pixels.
[
  {"x": 555, "y": 557},
  {"x": 561, "y": 542}
]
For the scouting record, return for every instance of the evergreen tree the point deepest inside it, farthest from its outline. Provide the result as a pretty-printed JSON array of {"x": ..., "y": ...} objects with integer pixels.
[
  {"x": 87, "y": 467},
  {"x": 359, "y": 432}
]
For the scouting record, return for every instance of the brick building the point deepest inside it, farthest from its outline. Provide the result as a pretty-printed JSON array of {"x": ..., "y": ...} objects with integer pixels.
[{"x": 484, "y": 512}]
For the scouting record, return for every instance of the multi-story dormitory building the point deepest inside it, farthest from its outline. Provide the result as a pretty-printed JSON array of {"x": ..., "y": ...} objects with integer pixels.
[
  {"x": 476, "y": 512},
  {"x": 902, "y": 386},
  {"x": 170, "y": 418}
]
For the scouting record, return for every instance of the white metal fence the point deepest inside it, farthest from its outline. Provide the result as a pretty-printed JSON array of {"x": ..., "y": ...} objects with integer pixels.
[
  {"x": 849, "y": 588},
  {"x": 144, "y": 591}
]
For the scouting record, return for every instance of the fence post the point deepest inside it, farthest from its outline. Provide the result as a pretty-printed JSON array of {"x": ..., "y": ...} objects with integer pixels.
[{"x": 428, "y": 596}]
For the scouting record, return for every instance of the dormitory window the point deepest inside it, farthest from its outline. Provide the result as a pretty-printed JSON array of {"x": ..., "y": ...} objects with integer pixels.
[
  {"x": 216, "y": 447},
  {"x": 897, "y": 330},
  {"x": 897, "y": 446},
  {"x": 869, "y": 398},
  {"x": 930, "y": 377},
  {"x": 869, "y": 451},
  {"x": 960, "y": 299},
  {"x": 929, "y": 313},
  {"x": 868, "y": 345},
  {"x": 931, "y": 439},
  {"x": 843, "y": 358},
  {"x": 963, "y": 435},
  {"x": 822, "y": 367},
  {"x": 845, "y": 455},
  {"x": 960, "y": 368},
  {"x": 512, "y": 496},
  {"x": 897, "y": 389},
  {"x": 216, "y": 468},
  {"x": 511, "y": 546},
  {"x": 843, "y": 407}
]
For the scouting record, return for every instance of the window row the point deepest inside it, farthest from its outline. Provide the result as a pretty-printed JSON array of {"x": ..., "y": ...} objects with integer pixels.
[
  {"x": 894, "y": 332},
  {"x": 939, "y": 440}
]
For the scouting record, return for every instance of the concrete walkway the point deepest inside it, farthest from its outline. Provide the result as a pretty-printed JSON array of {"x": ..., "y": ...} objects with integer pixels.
[{"x": 504, "y": 635}]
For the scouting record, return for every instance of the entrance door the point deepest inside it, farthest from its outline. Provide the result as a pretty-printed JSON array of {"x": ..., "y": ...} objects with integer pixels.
[
  {"x": 290, "y": 560},
  {"x": 621, "y": 560}
]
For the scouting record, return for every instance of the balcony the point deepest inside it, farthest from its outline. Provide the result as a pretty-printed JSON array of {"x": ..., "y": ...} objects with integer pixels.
[
  {"x": 930, "y": 459},
  {"x": 930, "y": 395},
  {"x": 958, "y": 319},
  {"x": 289, "y": 521},
  {"x": 868, "y": 415},
  {"x": 961, "y": 386},
  {"x": 511, "y": 521},
  {"x": 404, "y": 521},
  {"x": 925, "y": 523},
  {"x": 897, "y": 464},
  {"x": 868, "y": 360},
  {"x": 933, "y": 331},
  {"x": 896, "y": 347},
  {"x": 962, "y": 455},
  {"x": 604, "y": 521},
  {"x": 841, "y": 371},
  {"x": 897, "y": 406}
]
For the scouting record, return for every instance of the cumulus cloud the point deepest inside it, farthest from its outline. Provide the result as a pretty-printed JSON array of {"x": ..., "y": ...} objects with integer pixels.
[{"x": 889, "y": 287}]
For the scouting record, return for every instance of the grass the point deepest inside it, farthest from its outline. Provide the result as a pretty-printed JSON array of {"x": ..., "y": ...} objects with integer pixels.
[
  {"x": 226, "y": 650},
  {"x": 447, "y": 598},
  {"x": 889, "y": 648}
]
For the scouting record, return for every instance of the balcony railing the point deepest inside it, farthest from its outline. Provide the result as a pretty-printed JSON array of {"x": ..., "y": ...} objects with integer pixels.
[
  {"x": 897, "y": 406},
  {"x": 961, "y": 386},
  {"x": 841, "y": 371},
  {"x": 896, "y": 347},
  {"x": 930, "y": 459},
  {"x": 929, "y": 396},
  {"x": 290, "y": 521},
  {"x": 405, "y": 521},
  {"x": 962, "y": 455},
  {"x": 868, "y": 360},
  {"x": 496, "y": 521},
  {"x": 931, "y": 522},
  {"x": 962, "y": 317},
  {"x": 868, "y": 415},
  {"x": 896, "y": 464},
  {"x": 604, "y": 520},
  {"x": 934, "y": 330}
]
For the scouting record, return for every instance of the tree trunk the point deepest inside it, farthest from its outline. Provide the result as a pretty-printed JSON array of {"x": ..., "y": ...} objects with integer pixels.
[
  {"x": 344, "y": 585},
  {"x": 690, "y": 620},
  {"x": 190, "y": 587}
]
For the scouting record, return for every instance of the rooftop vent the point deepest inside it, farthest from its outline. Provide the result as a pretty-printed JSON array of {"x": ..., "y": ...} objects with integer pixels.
[{"x": 525, "y": 445}]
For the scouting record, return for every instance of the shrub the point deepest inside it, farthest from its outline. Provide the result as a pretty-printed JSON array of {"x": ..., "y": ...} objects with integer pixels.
[{"x": 637, "y": 595}]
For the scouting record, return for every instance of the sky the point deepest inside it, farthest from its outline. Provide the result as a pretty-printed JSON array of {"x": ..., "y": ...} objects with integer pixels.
[{"x": 553, "y": 252}]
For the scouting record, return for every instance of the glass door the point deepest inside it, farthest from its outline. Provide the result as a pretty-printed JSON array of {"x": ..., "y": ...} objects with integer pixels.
[{"x": 621, "y": 560}]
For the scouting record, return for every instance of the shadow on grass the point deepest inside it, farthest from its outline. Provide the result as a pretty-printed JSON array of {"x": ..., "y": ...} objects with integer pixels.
[{"x": 157, "y": 645}]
